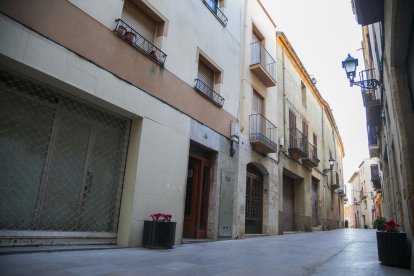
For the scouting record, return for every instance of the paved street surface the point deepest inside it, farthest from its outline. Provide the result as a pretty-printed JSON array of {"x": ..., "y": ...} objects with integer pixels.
[{"x": 337, "y": 252}]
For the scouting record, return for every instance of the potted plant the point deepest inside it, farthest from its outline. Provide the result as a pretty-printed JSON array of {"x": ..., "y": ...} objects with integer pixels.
[
  {"x": 130, "y": 36},
  {"x": 379, "y": 224},
  {"x": 392, "y": 246},
  {"x": 121, "y": 30},
  {"x": 159, "y": 232}
]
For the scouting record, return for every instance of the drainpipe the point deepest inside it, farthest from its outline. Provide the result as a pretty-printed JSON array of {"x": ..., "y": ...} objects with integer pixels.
[{"x": 325, "y": 176}]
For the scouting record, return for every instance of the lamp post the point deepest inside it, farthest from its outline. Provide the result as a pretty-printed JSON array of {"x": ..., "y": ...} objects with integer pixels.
[{"x": 350, "y": 64}]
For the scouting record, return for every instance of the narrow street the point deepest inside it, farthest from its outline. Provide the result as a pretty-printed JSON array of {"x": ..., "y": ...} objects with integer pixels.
[{"x": 337, "y": 252}]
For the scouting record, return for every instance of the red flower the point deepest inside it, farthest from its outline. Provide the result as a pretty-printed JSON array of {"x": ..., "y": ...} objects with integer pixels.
[
  {"x": 161, "y": 217},
  {"x": 391, "y": 225}
]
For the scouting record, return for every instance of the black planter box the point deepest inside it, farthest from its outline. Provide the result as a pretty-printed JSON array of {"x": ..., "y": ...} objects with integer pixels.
[
  {"x": 393, "y": 249},
  {"x": 159, "y": 234}
]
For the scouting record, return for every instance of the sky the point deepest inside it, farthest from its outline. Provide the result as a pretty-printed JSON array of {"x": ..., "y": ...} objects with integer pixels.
[{"x": 323, "y": 32}]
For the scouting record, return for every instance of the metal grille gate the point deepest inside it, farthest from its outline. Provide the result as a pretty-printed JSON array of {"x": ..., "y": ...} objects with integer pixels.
[{"x": 62, "y": 160}]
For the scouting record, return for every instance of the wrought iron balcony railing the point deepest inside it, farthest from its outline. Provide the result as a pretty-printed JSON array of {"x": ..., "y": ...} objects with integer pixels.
[
  {"x": 209, "y": 93},
  {"x": 260, "y": 55},
  {"x": 312, "y": 156},
  {"x": 263, "y": 131},
  {"x": 370, "y": 97},
  {"x": 298, "y": 140},
  {"x": 138, "y": 41},
  {"x": 218, "y": 13}
]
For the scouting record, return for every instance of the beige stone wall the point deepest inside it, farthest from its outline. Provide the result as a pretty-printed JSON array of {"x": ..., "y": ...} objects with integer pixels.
[{"x": 314, "y": 110}]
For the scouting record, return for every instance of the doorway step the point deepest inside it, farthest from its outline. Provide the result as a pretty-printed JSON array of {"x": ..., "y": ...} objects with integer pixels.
[
  {"x": 317, "y": 228},
  {"x": 247, "y": 236},
  {"x": 190, "y": 241}
]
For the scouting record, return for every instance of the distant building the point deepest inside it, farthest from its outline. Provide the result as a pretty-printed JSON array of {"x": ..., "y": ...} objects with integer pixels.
[
  {"x": 363, "y": 195},
  {"x": 312, "y": 190}
]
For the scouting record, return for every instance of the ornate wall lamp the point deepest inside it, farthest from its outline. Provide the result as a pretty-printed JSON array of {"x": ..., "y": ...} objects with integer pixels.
[
  {"x": 350, "y": 64},
  {"x": 331, "y": 164}
]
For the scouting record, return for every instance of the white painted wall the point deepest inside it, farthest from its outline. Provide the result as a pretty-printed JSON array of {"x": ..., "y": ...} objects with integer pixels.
[{"x": 153, "y": 182}]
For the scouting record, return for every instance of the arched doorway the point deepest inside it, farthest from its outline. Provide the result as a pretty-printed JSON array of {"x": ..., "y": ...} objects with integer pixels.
[{"x": 254, "y": 200}]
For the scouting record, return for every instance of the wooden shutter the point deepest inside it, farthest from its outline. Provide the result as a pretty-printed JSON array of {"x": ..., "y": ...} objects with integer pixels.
[
  {"x": 255, "y": 49},
  {"x": 305, "y": 128},
  {"x": 292, "y": 119},
  {"x": 315, "y": 140},
  {"x": 139, "y": 21},
  {"x": 257, "y": 105},
  {"x": 205, "y": 74}
]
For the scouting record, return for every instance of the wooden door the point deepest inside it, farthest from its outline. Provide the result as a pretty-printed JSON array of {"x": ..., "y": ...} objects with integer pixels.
[
  {"x": 314, "y": 200},
  {"x": 254, "y": 204},
  {"x": 288, "y": 204},
  {"x": 196, "y": 201}
]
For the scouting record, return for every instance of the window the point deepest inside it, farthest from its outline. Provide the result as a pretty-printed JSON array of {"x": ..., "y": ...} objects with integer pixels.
[
  {"x": 139, "y": 21},
  {"x": 257, "y": 104},
  {"x": 256, "y": 48},
  {"x": 205, "y": 74},
  {"x": 143, "y": 28},
  {"x": 207, "y": 77},
  {"x": 305, "y": 128},
  {"x": 303, "y": 89},
  {"x": 215, "y": 7}
]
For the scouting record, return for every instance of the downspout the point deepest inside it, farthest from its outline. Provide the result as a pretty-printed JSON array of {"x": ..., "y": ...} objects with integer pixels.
[{"x": 325, "y": 176}]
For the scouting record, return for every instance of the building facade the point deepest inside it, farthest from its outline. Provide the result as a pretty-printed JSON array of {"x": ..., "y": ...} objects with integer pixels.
[
  {"x": 311, "y": 190},
  {"x": 105, "y": 123},
  {"x": 364, "y": 194},
  {"x": 388, "y": 44},
  {"x": 114, "y": 110}
]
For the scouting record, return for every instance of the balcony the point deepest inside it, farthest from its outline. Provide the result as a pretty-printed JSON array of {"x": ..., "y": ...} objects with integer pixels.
[
  {"x": 262, "y": 64},
  {"x": 212, "y": 6},
  {"x": 311, "y": 160},
  {"x": 298, "y": 144},
  {"x": 209, "y": 93},
  {"x": 341, "y": 193},
  {"x": 373, "y": 140},
  {"x": 368, "y": 11},
  {"x": 139, "y": 42},
  {"x": 262, "y": 134},
  {"x": 335, "y": 181},
  {"x": 375, "y": 178}
]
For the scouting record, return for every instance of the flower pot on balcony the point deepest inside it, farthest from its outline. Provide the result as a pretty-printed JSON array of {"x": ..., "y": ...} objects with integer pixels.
[
  {"x": 121, "y": 30},
  {"x": 130, "y": 36},
  {"x": 393, "y": 249},
  {"x": 159, "y": 234}
]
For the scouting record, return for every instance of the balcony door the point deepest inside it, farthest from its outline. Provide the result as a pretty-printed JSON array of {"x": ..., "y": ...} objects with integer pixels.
[
  {"x": 197, "y": 195},
  {"x": 257, "y": 108}
]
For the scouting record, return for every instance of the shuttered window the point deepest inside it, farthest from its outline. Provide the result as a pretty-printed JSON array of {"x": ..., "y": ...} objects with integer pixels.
[
  {"x": 139, "y": 21},
  {"x": 257, "y": 107},
  {"x": 305, "y": 129},
  {"x": 292, "y": 119},
  {"x": 205, "y": 74}
]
